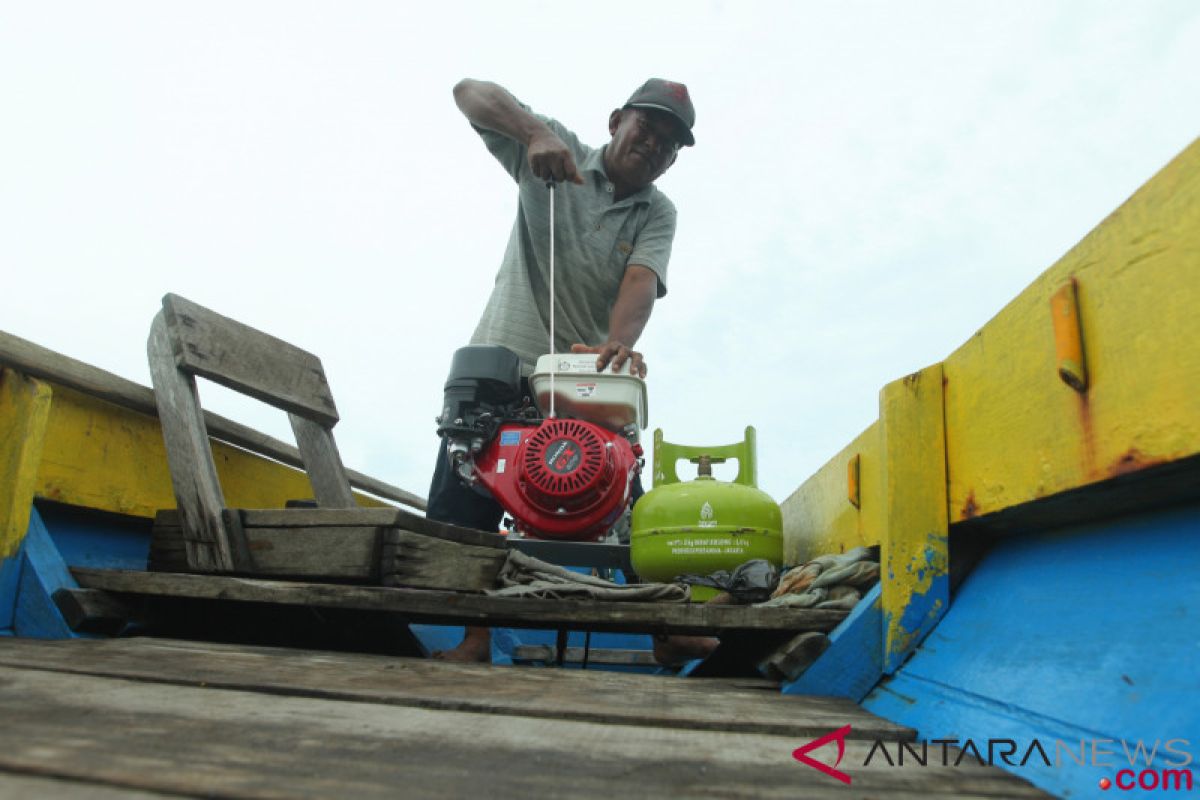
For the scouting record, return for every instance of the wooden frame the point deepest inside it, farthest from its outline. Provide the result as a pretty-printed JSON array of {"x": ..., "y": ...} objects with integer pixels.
[{"x": 188, "y": 340}]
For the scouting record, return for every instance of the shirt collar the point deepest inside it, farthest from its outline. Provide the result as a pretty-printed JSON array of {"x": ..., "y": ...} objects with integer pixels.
[{"x": 594, "y": 162}]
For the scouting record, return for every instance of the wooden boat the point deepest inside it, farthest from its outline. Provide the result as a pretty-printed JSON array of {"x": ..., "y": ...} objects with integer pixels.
[{"x": 1034, "y": 497}]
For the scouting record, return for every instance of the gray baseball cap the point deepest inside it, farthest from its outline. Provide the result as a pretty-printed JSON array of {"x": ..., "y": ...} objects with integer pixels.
[{"x": 670, "y": 97}]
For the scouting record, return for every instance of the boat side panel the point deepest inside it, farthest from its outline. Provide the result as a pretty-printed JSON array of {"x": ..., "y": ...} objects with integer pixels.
[
  {"x": 819, "y": 517},
  {"x": 1018, "y": 430},
  {"x": 104, "y": 541},
  {"x": 1084, "y": 634},
  {"x": 914, "y": 558},
  {"x": 24, "y": 409},
  {"x": 28, "y": 581},
  {"x": 101, "y": 456},
  {"x": 10, "y": 581},
  {"x": 1015, "y": 432},
  {"x": 853, "y": 664}
]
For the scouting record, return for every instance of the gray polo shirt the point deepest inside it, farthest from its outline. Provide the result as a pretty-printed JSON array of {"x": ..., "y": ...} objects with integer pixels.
[{"x": 595, "y": 240}]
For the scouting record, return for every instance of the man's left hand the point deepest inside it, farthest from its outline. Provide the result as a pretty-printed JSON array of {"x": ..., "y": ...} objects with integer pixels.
[{"x": 616, "y": 353}]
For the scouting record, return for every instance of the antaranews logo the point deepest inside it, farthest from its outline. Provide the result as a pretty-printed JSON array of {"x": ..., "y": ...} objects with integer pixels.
[
  {"x": 801, "y": 753},
  {"x": 1173, "y": 772}
]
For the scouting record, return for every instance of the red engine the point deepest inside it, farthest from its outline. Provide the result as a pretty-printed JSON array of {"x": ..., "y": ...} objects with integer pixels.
[{"x": 560, "y": 479}]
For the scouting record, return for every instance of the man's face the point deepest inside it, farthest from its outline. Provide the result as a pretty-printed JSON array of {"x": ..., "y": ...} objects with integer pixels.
[{"x": 644, "y": 144}]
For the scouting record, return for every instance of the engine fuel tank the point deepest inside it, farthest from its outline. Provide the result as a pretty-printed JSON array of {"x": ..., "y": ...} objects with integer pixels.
[{"x": 612, "y": 399}]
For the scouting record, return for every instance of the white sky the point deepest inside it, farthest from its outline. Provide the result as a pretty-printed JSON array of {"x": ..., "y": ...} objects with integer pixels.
[{"x": 872, "y": 182}]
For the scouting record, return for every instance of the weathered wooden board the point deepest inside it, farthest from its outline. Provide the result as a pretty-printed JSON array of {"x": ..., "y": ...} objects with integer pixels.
[
  {"x": 92, "y": 611},
  {"x": 339, "y": 552},
  {"x": 457, "y": 608},
  {"x": 33, "y": 786},
  {"x": 323, "y": 463},
  {"x": 387, "y": 517},
  {"x": 790, "y": 661},
  {"x": 425, "y": 562},
  {"x": 193, "y": 473},
  {"x": 448, "y": 607},
  {"x": 357, "y": 544},
  {"x": 595, "y": 696},
  {"x": 167, "y": 552},
  {"x": 247, "y": 360},
  {"x": 335, "y": 517},
  {"x": 246, "y": 743}
]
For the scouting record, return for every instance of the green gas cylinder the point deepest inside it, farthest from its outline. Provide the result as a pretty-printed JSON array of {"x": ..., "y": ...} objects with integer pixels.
[{"x": 703, "y": 525}]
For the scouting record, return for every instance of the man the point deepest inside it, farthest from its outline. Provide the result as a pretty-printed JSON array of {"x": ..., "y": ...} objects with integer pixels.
[{"x": 613, "y": 235}]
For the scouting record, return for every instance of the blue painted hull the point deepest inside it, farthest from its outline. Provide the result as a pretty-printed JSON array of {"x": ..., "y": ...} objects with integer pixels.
[{"x": 1087, "y": 639}]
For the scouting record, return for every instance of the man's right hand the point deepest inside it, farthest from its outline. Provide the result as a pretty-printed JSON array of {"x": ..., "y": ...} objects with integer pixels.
[
  {"x": 550, "y": 159},
  {"x": 489, "y": 105}
]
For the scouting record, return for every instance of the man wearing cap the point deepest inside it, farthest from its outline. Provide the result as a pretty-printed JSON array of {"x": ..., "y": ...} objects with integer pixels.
[{"x": 613, "y": 235}]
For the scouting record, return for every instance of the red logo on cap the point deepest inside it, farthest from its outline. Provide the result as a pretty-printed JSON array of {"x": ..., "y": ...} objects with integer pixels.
[{"x": 677, "y": 90}]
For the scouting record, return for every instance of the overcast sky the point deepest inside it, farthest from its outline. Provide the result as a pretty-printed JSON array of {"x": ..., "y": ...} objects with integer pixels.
[{"x": 871, "y": 183}]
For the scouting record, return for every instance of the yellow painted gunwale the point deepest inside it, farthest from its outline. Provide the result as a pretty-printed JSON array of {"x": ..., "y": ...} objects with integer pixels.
[
  {"x": 1015, "y": 430},
  {"x": 100, "y": 455},
  {"x": 24, "y": 410}
]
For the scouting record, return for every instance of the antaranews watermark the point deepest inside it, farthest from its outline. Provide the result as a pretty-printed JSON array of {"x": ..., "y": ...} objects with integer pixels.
[{"x": 1134, "y": 762}]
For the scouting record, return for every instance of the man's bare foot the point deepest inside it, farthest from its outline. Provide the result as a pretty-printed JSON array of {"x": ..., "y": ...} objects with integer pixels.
[
  {"x": 673, "y": 651},
  {"x": 476, "y": 647}
]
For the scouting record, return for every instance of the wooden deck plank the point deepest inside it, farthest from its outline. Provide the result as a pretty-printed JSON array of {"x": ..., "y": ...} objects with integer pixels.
[
  {"x": 18, "y": 786},
  {"x": 595, "y": 696},
  {"x": 383, "y": 517},
  {"x": 420, "y": 605},
  {"x": 225, "y": 743},
  {"x": 167, "y": 521}
]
